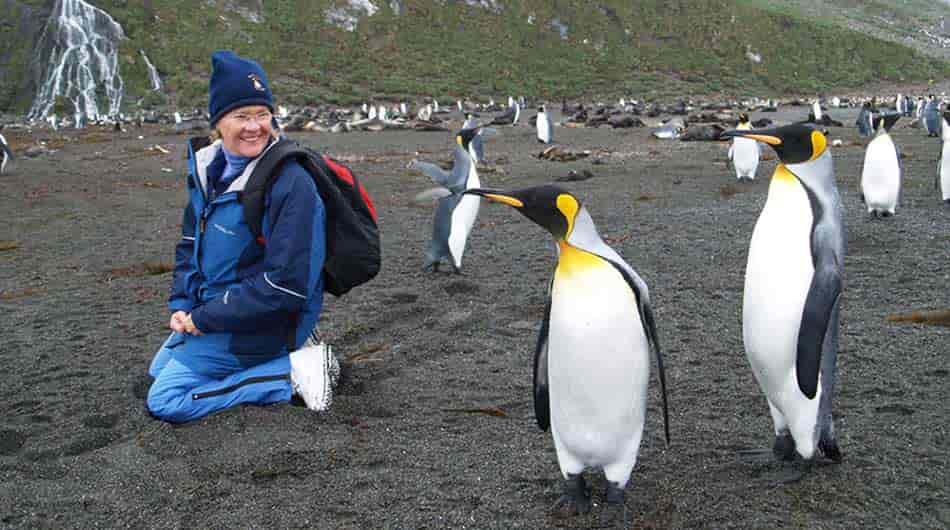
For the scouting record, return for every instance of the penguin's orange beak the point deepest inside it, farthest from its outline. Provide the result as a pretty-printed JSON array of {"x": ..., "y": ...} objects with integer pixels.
[
  {"x": 764, "y": 138},
  {"x": 496, "y": 196}
]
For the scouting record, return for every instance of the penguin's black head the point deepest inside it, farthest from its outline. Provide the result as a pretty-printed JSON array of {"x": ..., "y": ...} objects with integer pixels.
[
  {"x": 743, "y": 117},
  {"x": 551, "y": 207},
  {"x": 794, "y": 144},
  {"x": 465, "y": 136}
]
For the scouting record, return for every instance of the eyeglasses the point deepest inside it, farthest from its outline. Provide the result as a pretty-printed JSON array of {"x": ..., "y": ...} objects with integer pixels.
[{"x": 243, "y": 118}]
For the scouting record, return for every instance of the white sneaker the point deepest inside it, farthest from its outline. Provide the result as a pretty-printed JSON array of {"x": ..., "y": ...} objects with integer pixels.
[
  {"x": 310, "y": 375},
  {"x": 333, "y": 364}
]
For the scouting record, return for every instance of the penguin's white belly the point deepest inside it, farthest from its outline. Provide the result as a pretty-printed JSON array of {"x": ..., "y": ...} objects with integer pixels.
[
  {"x": 945, "y": 172},
  {"x": 544, "y": 129},
  {"x": 463, "y": 219},
  {"x": 880, "y": 178},
  {"x": 598, "y": 366},
  {"x": 745, "y": 157},
  {"x": 778, "y": 276}
]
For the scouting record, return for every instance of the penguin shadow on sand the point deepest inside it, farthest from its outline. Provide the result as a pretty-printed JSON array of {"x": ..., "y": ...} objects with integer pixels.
[{"x": 599, "y": 309}]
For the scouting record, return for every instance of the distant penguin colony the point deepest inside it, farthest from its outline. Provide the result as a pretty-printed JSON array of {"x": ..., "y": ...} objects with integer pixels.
[
  {"x": 881, "y": 174},
  {"x": 792, "y": 294},
  {"x": 592, "y": 361}
]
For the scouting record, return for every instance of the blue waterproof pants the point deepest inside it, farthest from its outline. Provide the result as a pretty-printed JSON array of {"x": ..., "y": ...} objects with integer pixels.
[{"x": 180, "y": 393}]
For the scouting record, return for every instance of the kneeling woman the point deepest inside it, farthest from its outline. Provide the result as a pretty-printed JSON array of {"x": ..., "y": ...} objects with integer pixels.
[{"x": 243, "y": 312}]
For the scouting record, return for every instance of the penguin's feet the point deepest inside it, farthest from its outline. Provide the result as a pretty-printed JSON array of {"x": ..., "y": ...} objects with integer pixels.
[
  {"x": 457, "y": 270},
  {"x": 784, "y": 448},
  {"x": 614, "y": 513},
  {"x": 829, "y": 448},
  {"x": 576, "y": 498}
]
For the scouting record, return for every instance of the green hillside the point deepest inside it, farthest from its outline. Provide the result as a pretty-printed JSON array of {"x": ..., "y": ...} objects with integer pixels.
[
  {"x": 610, "y": 47},
  {"x": 905, "y": 22}
]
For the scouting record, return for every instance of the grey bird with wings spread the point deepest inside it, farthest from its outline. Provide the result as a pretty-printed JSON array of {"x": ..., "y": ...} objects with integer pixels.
[{"x": 456, "y": 213}]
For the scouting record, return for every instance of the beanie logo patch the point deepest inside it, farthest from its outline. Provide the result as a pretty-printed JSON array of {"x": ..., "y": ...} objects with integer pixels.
[{"x": 256, "y": 81}]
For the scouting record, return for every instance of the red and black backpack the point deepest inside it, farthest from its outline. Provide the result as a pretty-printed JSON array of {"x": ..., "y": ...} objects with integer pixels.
[{"x": 353, "y": 255}]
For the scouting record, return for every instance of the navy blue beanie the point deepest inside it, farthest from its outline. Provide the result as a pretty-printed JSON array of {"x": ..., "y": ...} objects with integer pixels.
[{"x": 236, "y": 82}]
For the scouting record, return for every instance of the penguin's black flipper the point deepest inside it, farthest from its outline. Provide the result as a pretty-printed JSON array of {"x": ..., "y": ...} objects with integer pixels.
[
  {"x": 822, "y": 297},
  {"x": 649, "y": 327},
  {"x": 823, "y": 293},
  {"x": 646, "y": 314},
  {"x": 542, "y": 403}
]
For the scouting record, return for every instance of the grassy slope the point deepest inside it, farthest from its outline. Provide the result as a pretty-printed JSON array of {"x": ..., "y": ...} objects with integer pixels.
[
  {"x": 644, "y": 48},
  {"x": 897, "y": 21}
]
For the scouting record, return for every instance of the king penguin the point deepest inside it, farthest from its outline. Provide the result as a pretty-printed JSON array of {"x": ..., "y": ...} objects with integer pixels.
[
  {"x": 456, "y": 213},
  {"x": 931, "y": 117},
  {"x": 744, "y": 152},
  {"x": 592, "y": 360},
  {"x": 881, "y": 174},
  {"x": 793, "y": 285},
  {"x": 7, "y": 154},
  {"x": 943, "y": 165},
  {"x": 544, "y": 126}
]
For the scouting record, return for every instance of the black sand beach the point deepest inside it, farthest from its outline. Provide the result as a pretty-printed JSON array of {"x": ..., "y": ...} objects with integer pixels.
[{"x": 433, "y": 424}]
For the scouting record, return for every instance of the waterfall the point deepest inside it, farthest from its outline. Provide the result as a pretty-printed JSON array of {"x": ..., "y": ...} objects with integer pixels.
[
  {"x": 78, "y": 55},
  {"x": 152, "y": 73}
]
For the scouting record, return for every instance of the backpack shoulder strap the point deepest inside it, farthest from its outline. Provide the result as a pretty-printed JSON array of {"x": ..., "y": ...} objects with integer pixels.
[{"x": 252, "y": 198}]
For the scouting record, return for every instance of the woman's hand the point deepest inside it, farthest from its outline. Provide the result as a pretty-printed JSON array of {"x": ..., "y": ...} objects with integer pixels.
[
  {"x": 190, "y": 326},
  {"x": 177, "y": 322}
]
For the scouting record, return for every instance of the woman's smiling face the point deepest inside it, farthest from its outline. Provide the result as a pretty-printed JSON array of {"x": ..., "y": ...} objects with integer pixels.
[{"x": 245, "y": 131}]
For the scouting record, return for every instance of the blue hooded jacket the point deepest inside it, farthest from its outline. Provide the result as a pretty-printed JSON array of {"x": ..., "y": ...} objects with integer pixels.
[{"x": 250, "y": 301}]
